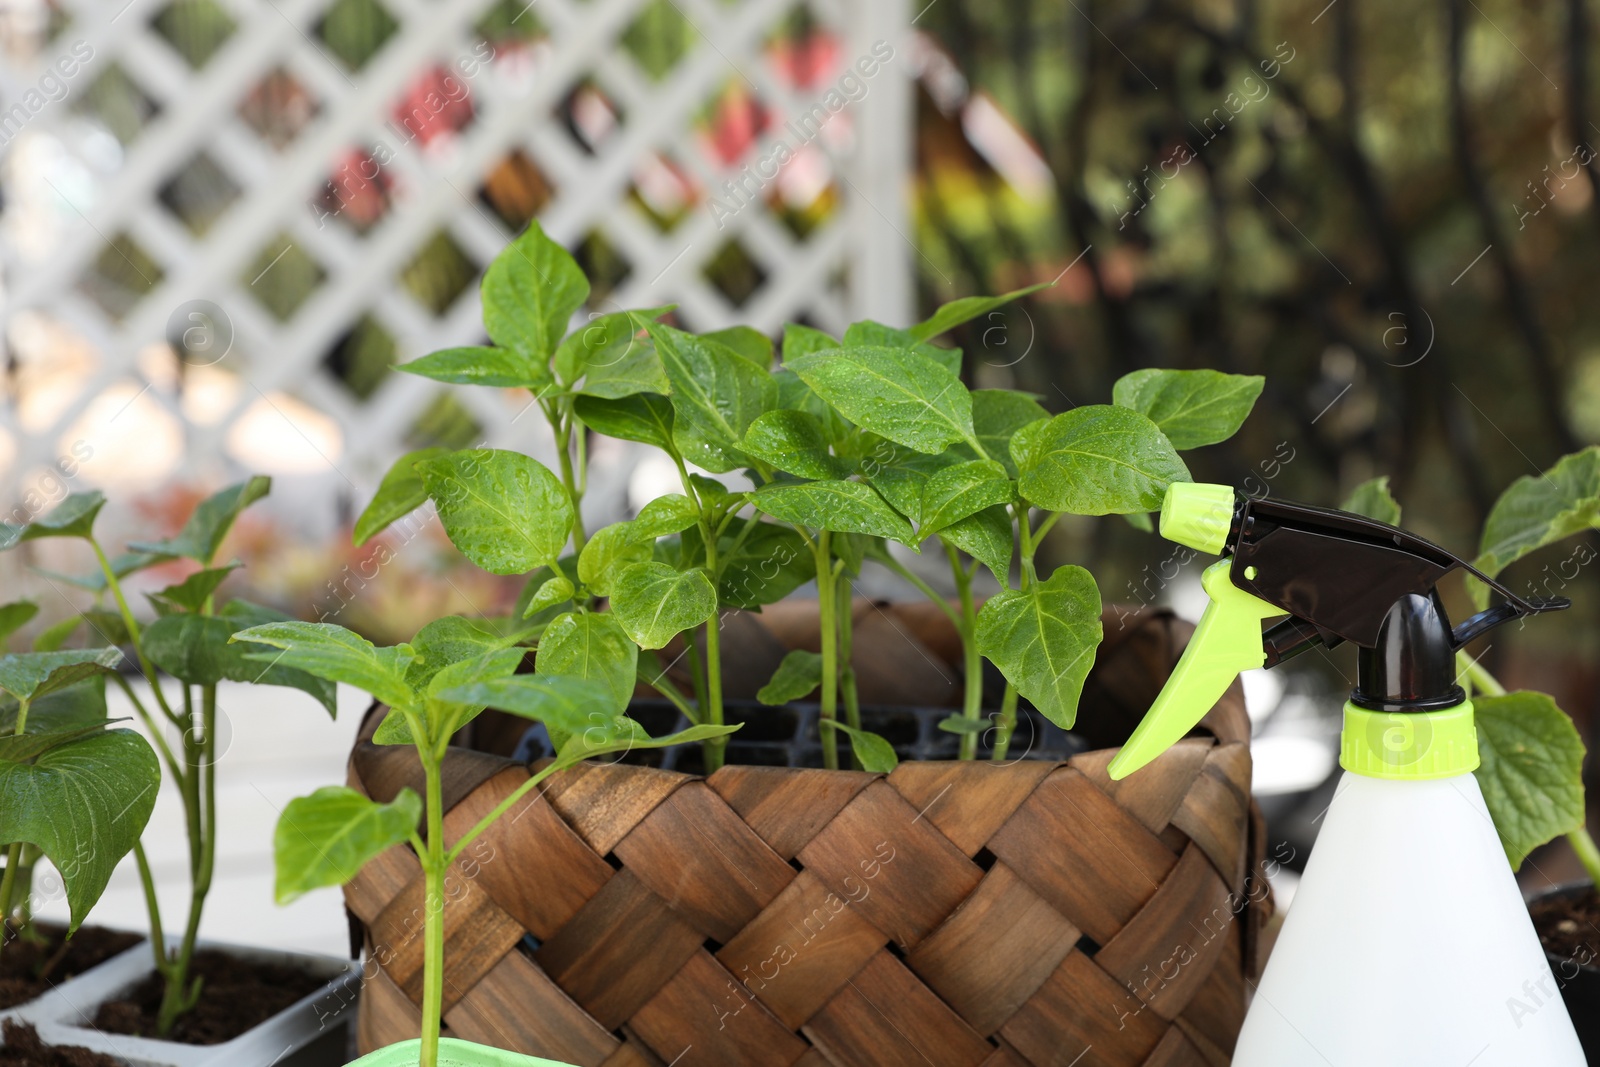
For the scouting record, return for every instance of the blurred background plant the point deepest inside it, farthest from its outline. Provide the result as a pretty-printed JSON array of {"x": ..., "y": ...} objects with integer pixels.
[{"x": 1387, "y": 210}]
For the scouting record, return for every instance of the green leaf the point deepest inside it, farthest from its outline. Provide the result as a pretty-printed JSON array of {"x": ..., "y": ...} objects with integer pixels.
[
  {"x": 609, "y": 551},
  {"x": 803, "y": 340},
  {"x": 194, "y": 648},
  {"x": 502, "y": 368},
  {"x": 654, "y": 602},
  {"x": 30, "y": 675},
  {"x": 83, "y": 804},
  {"x": 1043, "y": 639},
  {"x": 14, "y": 616},
  {"x": 57, "y": 634},
  {"x": 192, "y": 593},
  {"x": 1531, "y": 772},
  {"x": 399, "y": 494},
  {"x": 95, "y": 581},
  {"x": 876, "y": 333},
  {"x": 565, "y": 704},
  {"x": 1024, "y": 443},
  {"x": 1535, "y": 511},
  {"x": 594, "y": 646},
  {"x": 873, "y": 752},
  {"x": 901, "y": 475},
  {"x": 957, "y": 724},
  {"x": 716, "y": 395},
  {"x": 1372, "y": 499},
  {"x": 770, "y": 563},
  {"x": 748, "y": 343},
  {"x": 796, "y": 395},
  {"x": 1099, "y": 460},
  {"x": 797, "y": 676},
  {"x": 202, "y": 535},
  {"x": 622, "y": 734},
  {"x": 611, "y": 358},
  {"x": 667, "y": 514},
  {"x": 793, "y": 441},
  {"x": 505, "y": 511},
  {"x": 554, "y": 590},
  {"x": 893, "y": 392},
  {"x": 986, "y": 537},
  {"x": 1192, "y": 407},
  {"x": 326, "y": 838},
  {"x": 108, "y": 626},
  {"x": 20, "y": 748},
  {"x": 449, "y": 640},
  {"x": 963, "y": 490},
  {"x": 712, "y": 493},
  {"x": 840, "y": 506},
  {"x": 331, "y": 652},
  {"x": 997, "y": 414},
  {"x": 965, "y": 309},
  {"x": 530, "y": 293},
  {"x": 241, "y": 614},
  {"x": 82, "y": 704},
  {"x": 73, "y": 517},
  {"x": 643, "y": 417}
]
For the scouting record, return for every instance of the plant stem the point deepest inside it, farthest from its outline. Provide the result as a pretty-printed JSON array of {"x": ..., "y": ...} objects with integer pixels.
[
  {"x": 823, "y": 555},
  {"x": 972, "y": 705},
  {"x": 433, "y": 866},
  {"x": 134, "y": 633},
  {"x": 563, "y": 428},
  {"x": 1479, "y": 675},
  {"x": 8, "y": 881},
  {"x": 714, "y": 747},
  {"x": 847, "y": 670},
  {"x": 1008, "y": 723},
  {"x": 177, "y": 998},
  {"x": 1588, "y": 854},
  {"x": 148, "y": 884},
  {"x": 901, "y": 570},
  {"x": 1026, "y": 544}
]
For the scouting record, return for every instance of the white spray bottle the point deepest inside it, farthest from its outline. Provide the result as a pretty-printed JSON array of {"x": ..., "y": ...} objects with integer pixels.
[{"x": 1408, "y": 944}]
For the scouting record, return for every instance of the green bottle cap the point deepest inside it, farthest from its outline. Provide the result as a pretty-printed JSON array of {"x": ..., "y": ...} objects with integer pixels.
[
  {"x": 1198, "y": 515},
  {"x": 1409, "y": 745}
]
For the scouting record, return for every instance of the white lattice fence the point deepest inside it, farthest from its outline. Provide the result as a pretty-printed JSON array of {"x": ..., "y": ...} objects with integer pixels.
[{"x": 219, "y": 192}]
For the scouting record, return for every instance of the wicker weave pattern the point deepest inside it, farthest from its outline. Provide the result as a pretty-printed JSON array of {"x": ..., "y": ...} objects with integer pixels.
[{"x": 953, "y": 914}]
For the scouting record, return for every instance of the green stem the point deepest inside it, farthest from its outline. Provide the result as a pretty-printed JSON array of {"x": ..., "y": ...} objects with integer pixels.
[
  {"x": 134, "y": 633},
  {"x": 8, "y": 881},
  {"x": 156, "y": 736},
  {"x": 434, "y": 866},
  {"x": 830, "y": 651},
  {"x": 847, "y": 671},
  {"x": 500, "y": 809},
  {"x": 1479, "y": 675},
  {"x": 563, "y": 431},
  {"x": 1008, "y": 723},
  {"x": 148, "y": 884},
  {"x": 972, "y": 705},
  {"x": 902, "y": 571},
  {"x": 1026, "y": 543},
  {"x": 664, "y": 685},
  {"x": 1588, "y": 854},
  {"x": 712, "y": 748},
  {"x": 179, "y": 996}
]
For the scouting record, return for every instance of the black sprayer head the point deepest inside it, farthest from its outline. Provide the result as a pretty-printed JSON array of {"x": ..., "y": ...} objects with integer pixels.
[{"x": 1343, "y": 577}]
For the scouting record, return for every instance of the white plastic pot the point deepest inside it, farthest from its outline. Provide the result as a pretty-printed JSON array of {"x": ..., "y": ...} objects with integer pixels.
[
  {"x": 312, "y": 1032},
  {"x": 21, "y": 1011}
]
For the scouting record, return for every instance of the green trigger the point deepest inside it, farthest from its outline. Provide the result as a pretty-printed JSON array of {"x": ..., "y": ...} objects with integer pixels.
[{"x": 1227, "y": 641}]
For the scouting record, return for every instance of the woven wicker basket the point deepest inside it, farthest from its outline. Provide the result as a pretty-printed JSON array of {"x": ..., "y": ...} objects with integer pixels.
[{"x": 952, "y": 914}]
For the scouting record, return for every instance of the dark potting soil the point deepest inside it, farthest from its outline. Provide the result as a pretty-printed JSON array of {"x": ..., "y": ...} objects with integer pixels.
[
  {"x": 24, "y": 1049},
  {"x": 29, "y": 968},
  {"x": 1567, "y": 924},
  {"x": 235, "y": 995}
]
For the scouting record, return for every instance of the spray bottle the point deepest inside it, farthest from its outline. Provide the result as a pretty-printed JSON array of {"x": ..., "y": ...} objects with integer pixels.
[{"x": 1408, "y": 944}]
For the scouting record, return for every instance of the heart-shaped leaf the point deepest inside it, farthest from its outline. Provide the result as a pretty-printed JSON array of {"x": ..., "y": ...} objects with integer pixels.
[
  {"x": 667, "y": 514},
  {"x": 502, "y": 368},
  {"x": 840, "y": 506},
  {"x": 399, "y": 494},
  {"x": 643, "y": 417},
  {"x": 1192, "y": 407},
  {"x": 793, "y": 441},
  {"x": 505, "y": 511},
  {"x": 195, "y": 648},
  {"x": 1535, "y": 511},
  {"x": 1531, "y": 770},
  {"x": 1372, "y": 499},
  {"x": 530, "y": 293},
  {"x": 590, "y": 645},
  {"x": 331, "y": 652},
  {"x": 1043, "y": 639},
  {"x": 797, "y": 676},
  {"x": 654, "y": 602},
  {"x": 20, "y": 748},
  {"x": 30, "y": 675},
  {"x": 210, "y": 522},
  {"x": 192, "y": 593},
  {"x": 326, "y": 838},
  {"x": 73, "y": 517},
  {"x": 1098, "y": 460},
  {"x": 716, "y": 395},
  {"x": 83, "y": 804},
  {"x": 15, "y": 616},
  {"x": 895, "y": 393}
]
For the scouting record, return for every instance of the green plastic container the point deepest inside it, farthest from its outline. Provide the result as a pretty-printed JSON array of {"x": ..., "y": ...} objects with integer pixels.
[{"x": 453, "y": 1052}]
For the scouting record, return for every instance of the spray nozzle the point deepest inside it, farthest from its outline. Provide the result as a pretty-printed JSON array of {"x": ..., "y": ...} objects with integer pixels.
[{"x": 1336, "y": 577}]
